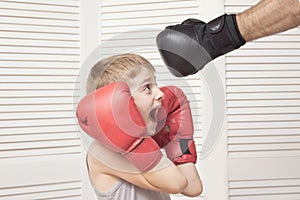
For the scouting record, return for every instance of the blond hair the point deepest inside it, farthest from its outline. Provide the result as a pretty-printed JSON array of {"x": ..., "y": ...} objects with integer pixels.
[{"x": 120, "y": 67}]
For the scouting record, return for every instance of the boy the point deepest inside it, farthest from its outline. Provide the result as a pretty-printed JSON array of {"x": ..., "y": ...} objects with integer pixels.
[{"x": 116, "y": 171}]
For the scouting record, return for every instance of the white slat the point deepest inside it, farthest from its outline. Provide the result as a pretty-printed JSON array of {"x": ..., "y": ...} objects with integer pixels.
[
  {"x": 28, "y": 34},
  {"x": 37, "y": 7},
  {"x": 38, "y": 64},
  {"x": 38, "y": 14},
  {"x": 40, "y": 129},
  {"x": 65, "y": 3},
  {"x": 12, "y": 71},
  {"x": 38, "y": 43},
  {"x": 150, "y": 16},
  {"x": 107, "y": 3}
]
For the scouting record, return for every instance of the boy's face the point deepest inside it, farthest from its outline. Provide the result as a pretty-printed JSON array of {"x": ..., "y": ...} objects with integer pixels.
[{"x": 147, "y": 97}]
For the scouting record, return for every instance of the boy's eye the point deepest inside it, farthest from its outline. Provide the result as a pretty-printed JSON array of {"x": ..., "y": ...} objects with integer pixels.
[{"x": 147, "y": 87}]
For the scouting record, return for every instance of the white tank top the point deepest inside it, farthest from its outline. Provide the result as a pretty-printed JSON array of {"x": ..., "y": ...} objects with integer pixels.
[{"x": 124, "y": 190}]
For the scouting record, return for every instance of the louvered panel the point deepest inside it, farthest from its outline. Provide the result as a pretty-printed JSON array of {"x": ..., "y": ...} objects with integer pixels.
[
  {"x": 40, "y": 177},
  {"x": 265, "y": 189},
  {"x": 131, "y": 26},
  {"x": 263, "y": 104},
  {"x": 273, "y": 178},
  {"x": 279, "y": 144},
  {"x": 39, "y": 65},
  {"x": 117, "y": 17},
  {"x": 262, "y": 81}
]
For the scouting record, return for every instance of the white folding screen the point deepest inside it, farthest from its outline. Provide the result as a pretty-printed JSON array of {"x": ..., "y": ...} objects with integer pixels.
[
  {"x": 42, "y": 47},
  {"x": 263, "y": 104},
  {"x": 39, "y": 63}
]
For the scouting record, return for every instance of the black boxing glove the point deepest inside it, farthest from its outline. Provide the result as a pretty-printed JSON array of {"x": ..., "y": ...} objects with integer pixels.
[{"x": 187, "y": 47}]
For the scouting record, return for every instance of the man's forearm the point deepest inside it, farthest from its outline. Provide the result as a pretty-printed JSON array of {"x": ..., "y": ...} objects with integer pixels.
[{"x": 268, "y": 17}]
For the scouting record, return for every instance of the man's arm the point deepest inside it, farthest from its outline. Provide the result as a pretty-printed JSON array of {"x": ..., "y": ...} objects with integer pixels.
[
  {"x": 187, "y": 47},
  {"x": 268, "y": 17}
]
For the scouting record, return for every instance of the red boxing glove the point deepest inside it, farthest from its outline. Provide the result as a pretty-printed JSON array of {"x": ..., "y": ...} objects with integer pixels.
[
  {"x": 110, "y": 116},
  {"x": 176, "y": 135}
]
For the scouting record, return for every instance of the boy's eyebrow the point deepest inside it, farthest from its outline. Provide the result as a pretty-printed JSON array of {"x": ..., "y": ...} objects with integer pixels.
[{"x": 149, "y": 79}]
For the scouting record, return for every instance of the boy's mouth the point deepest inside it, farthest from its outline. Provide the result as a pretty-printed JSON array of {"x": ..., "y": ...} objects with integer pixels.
[{"x": 153, "y": 114}]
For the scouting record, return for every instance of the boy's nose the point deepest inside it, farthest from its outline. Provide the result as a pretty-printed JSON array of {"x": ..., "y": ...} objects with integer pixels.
[{"x": 159, "y": 94}]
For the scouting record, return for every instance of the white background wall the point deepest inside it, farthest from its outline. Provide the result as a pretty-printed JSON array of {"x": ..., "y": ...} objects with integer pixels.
[{"x": 43, "y": 45}]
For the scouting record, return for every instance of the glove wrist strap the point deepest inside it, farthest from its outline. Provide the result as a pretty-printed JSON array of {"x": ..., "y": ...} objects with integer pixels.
[{"x": 224, "y": 34}]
